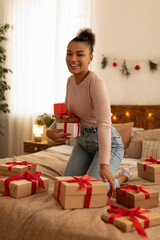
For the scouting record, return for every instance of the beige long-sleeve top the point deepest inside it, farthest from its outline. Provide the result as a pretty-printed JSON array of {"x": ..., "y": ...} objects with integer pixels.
[{"x": 89, "y": 101}]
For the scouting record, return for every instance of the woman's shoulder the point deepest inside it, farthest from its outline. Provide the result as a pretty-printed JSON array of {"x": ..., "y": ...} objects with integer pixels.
[{"x": 95, "y": 78}]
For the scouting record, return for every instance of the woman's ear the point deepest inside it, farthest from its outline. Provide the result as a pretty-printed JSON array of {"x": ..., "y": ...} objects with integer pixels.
[{"x": 90, "y": 58}]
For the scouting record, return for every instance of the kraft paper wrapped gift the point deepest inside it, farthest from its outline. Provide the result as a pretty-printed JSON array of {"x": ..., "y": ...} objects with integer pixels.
[
  {"x": 149, "y": 169},
  {"x": 72, "y": 128},
  {"x": 133, "y": 196},
  {"x": 70, "y": 195},
  {"x": 17, "y": 168},
  {"x": 59, "y": 108},
  {"x": 131, "y": 219},
  {"x": 71, "y": 118},
  {"x": 19, "y": 186}
]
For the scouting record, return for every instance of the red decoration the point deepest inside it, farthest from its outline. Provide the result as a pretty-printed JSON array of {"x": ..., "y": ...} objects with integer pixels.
[
  {"x": 114, "y": 64},
  {"x": 151, "y": 160},
  {"x": 137, "y": 67},
  {"x": 132, "y": 214},
  {"x": 136, "y": 188}
]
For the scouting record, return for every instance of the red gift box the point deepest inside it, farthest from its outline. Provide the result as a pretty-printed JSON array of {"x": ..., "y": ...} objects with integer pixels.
[{"x": 59, "y": 108}]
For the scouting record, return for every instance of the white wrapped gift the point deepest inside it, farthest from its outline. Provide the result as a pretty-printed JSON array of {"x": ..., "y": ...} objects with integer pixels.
[{"x": 72, "y": 128}]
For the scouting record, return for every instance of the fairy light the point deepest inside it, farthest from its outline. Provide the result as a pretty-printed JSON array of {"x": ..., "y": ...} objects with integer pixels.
[
  {"x": 127, "y": 114},
  {"x": 149, "y": 114},
  {"x": 114, "y": 118}
]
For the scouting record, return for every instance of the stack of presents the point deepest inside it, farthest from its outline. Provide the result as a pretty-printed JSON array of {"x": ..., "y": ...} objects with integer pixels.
[{"x": 87, "y": 192}]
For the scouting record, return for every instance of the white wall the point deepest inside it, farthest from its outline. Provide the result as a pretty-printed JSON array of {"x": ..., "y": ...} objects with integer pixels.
[{"x": 128, "y": 29}]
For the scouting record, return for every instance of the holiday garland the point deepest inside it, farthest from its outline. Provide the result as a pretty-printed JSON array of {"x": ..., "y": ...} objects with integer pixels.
[{"x": 125, "y": 70}]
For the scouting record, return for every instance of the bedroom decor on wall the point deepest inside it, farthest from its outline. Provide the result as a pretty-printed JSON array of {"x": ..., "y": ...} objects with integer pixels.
[
  {"x": 128, "y": 66},
  {"x": 4, "y": 107}
]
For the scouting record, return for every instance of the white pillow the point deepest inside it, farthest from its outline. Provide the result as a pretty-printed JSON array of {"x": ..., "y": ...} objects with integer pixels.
[{"x": 134, "y": 129}]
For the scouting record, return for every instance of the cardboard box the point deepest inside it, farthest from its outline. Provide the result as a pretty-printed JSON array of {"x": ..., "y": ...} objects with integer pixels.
[
  {"x": 71, "y": 196},
  {"x": 72, "y": 128},
  {"x": 65, "y": 118},
  {"x": 133, "y": 198},
  {"x": 152, "y": 172},
  {"x": 125, "y": 224},
  {"x": 17, "y": 169},
  {"x": 59, "y": 108},
  {"x": 23, "y": 188}
]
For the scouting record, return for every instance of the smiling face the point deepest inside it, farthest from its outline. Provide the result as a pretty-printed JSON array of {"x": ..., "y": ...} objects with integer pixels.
[{"x": 78, "y": 58}]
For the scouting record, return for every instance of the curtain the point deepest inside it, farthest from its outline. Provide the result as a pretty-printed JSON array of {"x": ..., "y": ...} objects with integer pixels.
[{"x": 36, "y": 54}]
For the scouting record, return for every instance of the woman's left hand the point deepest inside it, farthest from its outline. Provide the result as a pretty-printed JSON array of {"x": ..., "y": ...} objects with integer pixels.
[{"x": 107, "y": 176}]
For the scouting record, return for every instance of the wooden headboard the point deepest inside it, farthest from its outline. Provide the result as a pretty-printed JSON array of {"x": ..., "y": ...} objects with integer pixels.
[{"x": 143, "y": 116}]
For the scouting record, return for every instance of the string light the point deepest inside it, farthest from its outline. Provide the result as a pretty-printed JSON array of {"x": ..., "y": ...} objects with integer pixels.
[
  {"x": 127, "y": 114},
  {"x": 114, "y": 117},
  {"x": 149, "y": 114}
]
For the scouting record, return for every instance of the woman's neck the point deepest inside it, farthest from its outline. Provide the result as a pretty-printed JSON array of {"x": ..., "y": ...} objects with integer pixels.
[{"x": 80, "y": 77}]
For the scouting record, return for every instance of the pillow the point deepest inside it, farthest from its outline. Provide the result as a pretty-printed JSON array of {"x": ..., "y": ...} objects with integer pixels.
[
  {"x": 134, "y": 129},
  {"x": 150, "y": 148},
  {"x": 124, "y": 130},
  {"x": 134, "y": 149}
]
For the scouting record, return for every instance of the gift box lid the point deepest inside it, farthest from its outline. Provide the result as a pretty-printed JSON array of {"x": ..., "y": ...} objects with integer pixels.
[
  {"x": 67, "y": 188},
  {"x": 135, "y": 195},
  {"x": 152, "y": 168},
  {"x": 16, "y": 168}
]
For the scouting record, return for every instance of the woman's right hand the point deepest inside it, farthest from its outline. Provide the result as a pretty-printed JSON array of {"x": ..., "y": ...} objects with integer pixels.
[{"x": 57, "y": 135}]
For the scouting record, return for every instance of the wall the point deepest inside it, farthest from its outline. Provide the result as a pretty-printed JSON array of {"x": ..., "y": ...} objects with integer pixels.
[{"x": 128, "y": 30}]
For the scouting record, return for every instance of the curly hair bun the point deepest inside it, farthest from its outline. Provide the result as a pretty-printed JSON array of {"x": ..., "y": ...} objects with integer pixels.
[{"x": 87, "y": 33}]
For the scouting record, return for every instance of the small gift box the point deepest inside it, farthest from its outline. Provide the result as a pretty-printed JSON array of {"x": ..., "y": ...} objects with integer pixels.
[
  {"x": 149, "y": 169},
  {"x": 17, "y": 168},
  {"x": 67, "y": 117},
  {"x": 80, "y": 192},
  {"x": 72, "y": 128},
  {"x": 133, "y": 196},
  {"x": 59, "y": 108},
  {"x": 23, "y": 185},
  {"x": 131, "y": 219}
]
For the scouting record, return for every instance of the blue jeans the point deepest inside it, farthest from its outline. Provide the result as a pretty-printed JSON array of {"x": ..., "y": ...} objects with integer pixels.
[{"x": 85, "y": 155}]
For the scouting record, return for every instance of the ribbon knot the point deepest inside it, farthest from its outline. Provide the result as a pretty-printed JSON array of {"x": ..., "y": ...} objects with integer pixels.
[
  {"x": 67, "y": 113},
  {"x": 25, "y": 163},
  {"x": 136, "y": 188},
  {"x": 132, "y": 214},
  {"x": 150, "y": 161},
  {"x": 29, "y": 177}
]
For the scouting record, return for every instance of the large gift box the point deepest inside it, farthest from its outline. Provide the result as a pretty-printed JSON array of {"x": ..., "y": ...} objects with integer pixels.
[
  {"x": 16, "y": 168},
  {"x": 59, "y": 108},
  {"x": 72, "y": 128},
  {"x": 23, "y": 185},
  {"x": 149, "y": 169},
  {"x": 80, "y": 192},
  {"x": 133, "y": 196},
  {"x": 131, "y": 219}
]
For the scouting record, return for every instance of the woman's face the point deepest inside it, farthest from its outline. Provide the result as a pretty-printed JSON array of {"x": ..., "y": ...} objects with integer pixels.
[{"x": 78, "y": 57}]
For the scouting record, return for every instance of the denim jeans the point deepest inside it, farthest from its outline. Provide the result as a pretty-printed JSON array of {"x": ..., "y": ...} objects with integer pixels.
[{"x": 85, "y": 155}]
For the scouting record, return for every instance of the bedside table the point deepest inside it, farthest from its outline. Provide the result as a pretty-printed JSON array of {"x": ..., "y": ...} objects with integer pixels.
[{"x": 32, "y": 146}]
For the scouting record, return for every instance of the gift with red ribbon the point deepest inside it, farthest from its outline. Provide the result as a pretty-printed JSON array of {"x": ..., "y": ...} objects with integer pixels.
[
  {"x": 80, "y": 192},
  {"x": 59, "y": 108},
  {"x": 72, "y": 128},
  {"x": 149, "y": 169},
  {"x": 137, "y": 196},
  {"x": 140, "y": 218},
  {"x": 66, "y": 117},
  {"x": 16, "y": 168},
  {"x": 24, "y": 185}
]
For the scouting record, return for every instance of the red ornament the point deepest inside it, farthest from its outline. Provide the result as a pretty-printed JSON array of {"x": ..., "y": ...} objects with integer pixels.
[
  {"x": 114, "y": 64},
  {"x": 137, "y": 67}
]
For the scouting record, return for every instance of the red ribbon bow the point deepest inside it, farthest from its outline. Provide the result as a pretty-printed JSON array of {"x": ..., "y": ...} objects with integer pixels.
[
  {"x": 83, "y": 181},
  {"x": 29, "y": 177},
  {"x": 132, "y": 213},
  {"x": 66, "y": 113},
  {"x": 151, "y": 160},
  {"x": 25, "y": 163},
  {"x": 137, "y": 188}
]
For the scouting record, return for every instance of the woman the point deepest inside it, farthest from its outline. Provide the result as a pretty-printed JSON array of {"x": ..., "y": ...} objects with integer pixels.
[{"x": 99, "y": 150}]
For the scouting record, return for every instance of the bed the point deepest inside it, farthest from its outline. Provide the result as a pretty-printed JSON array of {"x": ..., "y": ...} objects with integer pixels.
[{"x": 40, "y": 217}]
